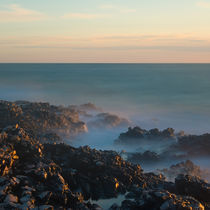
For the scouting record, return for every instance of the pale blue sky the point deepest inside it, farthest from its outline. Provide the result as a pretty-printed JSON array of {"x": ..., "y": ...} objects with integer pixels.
[{"x": 105, "y": 31}]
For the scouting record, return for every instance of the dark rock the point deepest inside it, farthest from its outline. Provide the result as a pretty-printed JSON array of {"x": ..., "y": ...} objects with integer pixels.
[
  {"x": 186, "y": 168},
  {"x": 28, "y": 179},
  {"x": 137, "y": 135},
  {"x": 194, "y": 145},
  {"x": 160, "y": 199},
  {"x": 193, "y": 186},
  {"x": 34, "y": 175},
  {"x": 98, "y": 173},
  {"x": 40, "y": 119}
]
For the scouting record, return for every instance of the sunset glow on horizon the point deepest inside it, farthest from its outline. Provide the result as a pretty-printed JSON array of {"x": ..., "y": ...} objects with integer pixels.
[{"x": 99, "y": 31}]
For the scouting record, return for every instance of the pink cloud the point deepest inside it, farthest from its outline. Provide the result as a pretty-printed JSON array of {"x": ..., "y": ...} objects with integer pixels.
[{"x": 15, "y": 13}]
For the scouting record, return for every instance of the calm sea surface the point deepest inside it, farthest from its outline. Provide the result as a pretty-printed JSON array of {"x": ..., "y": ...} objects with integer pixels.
[{"x": 151, "y": 95}]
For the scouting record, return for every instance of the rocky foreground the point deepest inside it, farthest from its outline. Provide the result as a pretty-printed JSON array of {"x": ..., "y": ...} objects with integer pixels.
[{"x": 37, "y": 174}]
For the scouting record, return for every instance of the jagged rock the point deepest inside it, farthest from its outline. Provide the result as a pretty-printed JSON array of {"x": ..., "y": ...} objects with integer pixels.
[
  {"x": 97, "y": 173},
  {"x": 193, "y": 145},
  {"x": 114, "y": 207},
  {"x": 186, "y": 168},
  {"x": 34, "y": 175},
  {"x": 46, "y": 207},
  {"x": 10, "y": 198},
  {"x": 159, "y": 199},
  {"x": 136, "y": 135},
  {"x": 45, "y": 196},
  {"x": 40, "y": 119},
  {"x": 193, "y": 186},
  {"x": 96, "y": 207},
  {"x": 112, "y": 174}
]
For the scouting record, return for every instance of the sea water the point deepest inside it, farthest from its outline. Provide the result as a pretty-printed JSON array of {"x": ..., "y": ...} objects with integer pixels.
[{"x": 150, "y": 95}]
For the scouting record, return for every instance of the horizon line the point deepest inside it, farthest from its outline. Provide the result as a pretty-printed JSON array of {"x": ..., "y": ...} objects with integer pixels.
[{"x": 104, "y": 63}]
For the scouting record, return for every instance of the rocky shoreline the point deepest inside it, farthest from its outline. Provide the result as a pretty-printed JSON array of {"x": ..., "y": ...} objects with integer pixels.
[
  {"x": 168, "y": 145},
  {"x": 39, "y": 171}
]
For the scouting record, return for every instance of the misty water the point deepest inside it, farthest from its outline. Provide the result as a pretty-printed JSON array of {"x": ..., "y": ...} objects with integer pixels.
[
  {"x": 148, "y": 95},
  {"x": 151, "y": 95}
]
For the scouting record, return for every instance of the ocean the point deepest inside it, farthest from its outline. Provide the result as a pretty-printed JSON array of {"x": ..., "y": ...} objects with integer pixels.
[{"x": 150, "y": 95}]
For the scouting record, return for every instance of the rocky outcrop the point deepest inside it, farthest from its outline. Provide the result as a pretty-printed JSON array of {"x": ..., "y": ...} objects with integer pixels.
[
  {"x": 168, "y": 146},
  {"x": 107, "y": 120},
  {"x": 96, "y": 118},
  {"x": 194, "y": 145},
  {"x": 193, "y": 186},
  {"x": 157, "y": 199},
  {"x": 186, "y": 168},
  {"x": 28, "y": 179},
  {"x": 59, "y": 176},
  {"x": 137, "y": 135},
  {"x": 37, "y": 175},
  {"x": 99, "y": 174},
  {"x": 41, "y": 119},
  {"x": 34, "y": 175}
]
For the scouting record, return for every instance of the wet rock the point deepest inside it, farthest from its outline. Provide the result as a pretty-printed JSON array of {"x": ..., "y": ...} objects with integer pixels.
[
  {"x": 46, "y": 207},
  {"x": 96, "y": 207},
  {"x": 194, "y": 145},
  {"x": 97, "y": 173},
  {"x": 186, "y": 168},
  {"x": 160, "y": 199},
  {"x": 130, "y": 195},
  {"x": 193, "y": 186},
  {"x": 45, "y": 197},
  {"x": 136, "y": 135},
  {"x": 34, "y": 175},
  {"x": 10, "y": 198},
  {"x": 31, "y": 179},
  {"x": 114, "y": 207}
]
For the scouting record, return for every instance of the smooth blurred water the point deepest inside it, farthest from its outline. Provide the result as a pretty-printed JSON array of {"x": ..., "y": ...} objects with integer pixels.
[{"x": 152, "y": 95}]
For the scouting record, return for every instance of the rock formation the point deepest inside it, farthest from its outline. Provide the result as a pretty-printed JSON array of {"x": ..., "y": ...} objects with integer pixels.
[
  {"x": 42, "y": 119},
  {"x": 36, "y": 174},
  {"x": 186, "y": 168},
  {"x": 138, "y": 135}
]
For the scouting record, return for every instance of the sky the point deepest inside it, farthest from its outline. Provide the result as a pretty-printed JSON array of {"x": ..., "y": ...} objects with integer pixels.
[{"x": 105, "y": 31}]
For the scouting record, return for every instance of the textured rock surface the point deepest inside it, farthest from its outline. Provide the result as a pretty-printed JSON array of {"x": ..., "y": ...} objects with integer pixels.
[
  {"x": 37, "y": 175},
  {"x": 33, "y": 174},
  {"x": 194, "y": 146},
  {"x": 41, "y": 119},
  {"x": 158, "y": 199},
  {"x": 193, "y": 186},
  {"x": 137, "y": 135},
  {"x": 99, "y": 174},
  {"x": 28, "y": 179},
  {"x": 59, "y": 176},
  {"x": 186, "y": 168}
]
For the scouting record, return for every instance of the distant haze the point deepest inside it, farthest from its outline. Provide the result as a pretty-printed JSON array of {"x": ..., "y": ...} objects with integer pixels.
[{"x": 113, "y": 31}]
